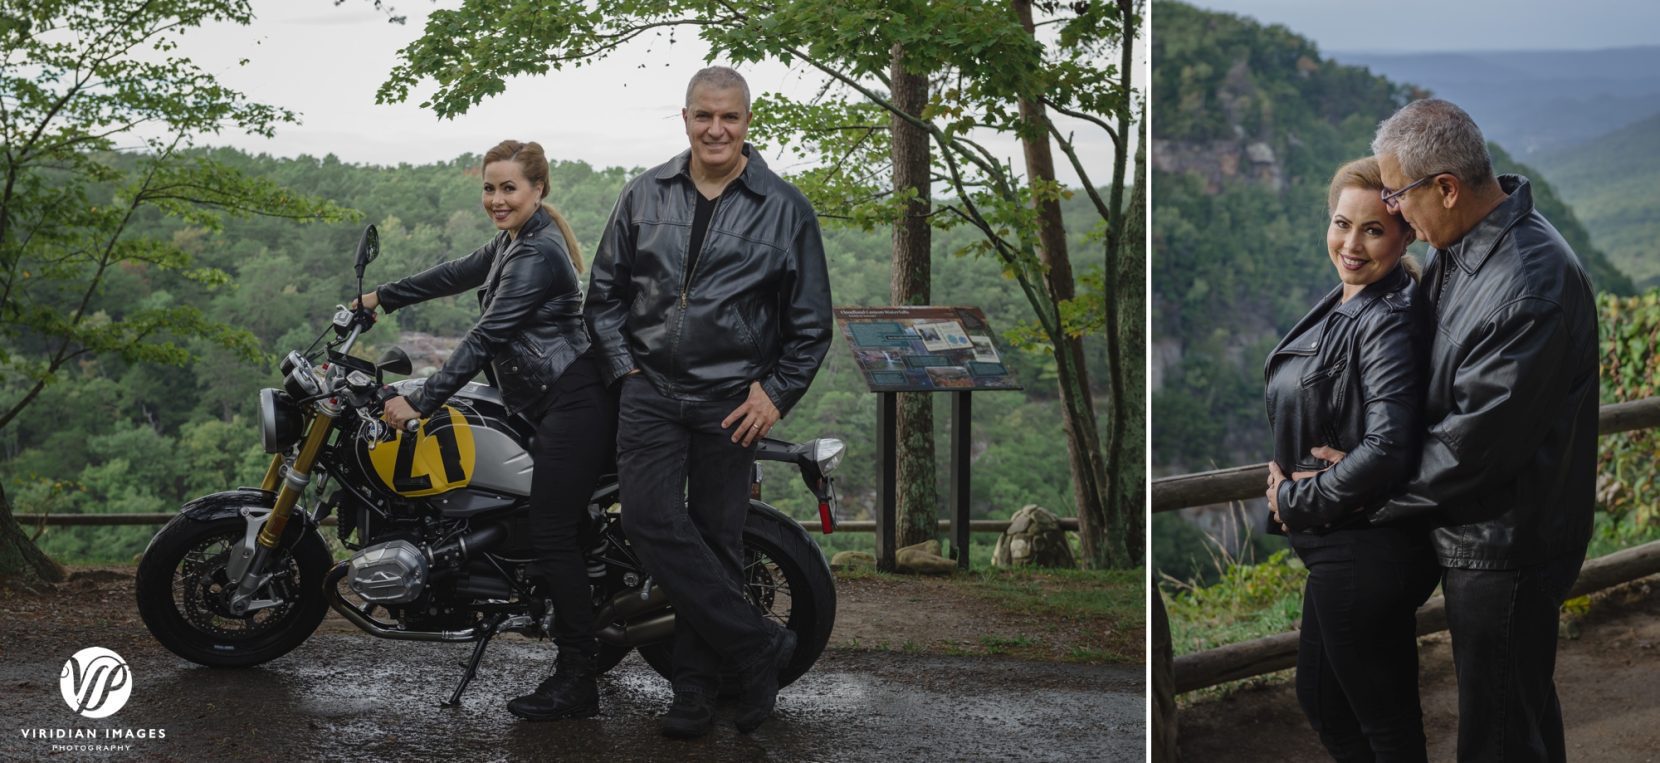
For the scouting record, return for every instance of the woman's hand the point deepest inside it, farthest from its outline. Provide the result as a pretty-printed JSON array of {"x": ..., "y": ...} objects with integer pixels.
[
  {"x": 399, "y": 412},
  {"x": 1275, "y": 477},
  {"x": 369, "y": 301},
  {"x": 1324, "y": 453}
]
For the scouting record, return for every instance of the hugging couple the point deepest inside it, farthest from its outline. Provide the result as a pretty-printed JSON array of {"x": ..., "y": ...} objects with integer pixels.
[{"x": 1436, "y": 426}]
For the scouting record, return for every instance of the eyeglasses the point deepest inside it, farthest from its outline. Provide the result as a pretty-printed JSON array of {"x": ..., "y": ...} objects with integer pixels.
[{"x": 1392, "y": 199}]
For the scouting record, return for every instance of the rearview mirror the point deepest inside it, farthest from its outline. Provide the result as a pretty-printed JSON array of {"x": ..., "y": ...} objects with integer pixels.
[
  {"x": 368, "y": 248},
  {"x": 396, "y": 361}
]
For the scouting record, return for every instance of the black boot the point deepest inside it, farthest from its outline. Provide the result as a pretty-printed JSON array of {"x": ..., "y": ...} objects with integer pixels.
[
  {"x": 761, "y": 685},
  {"x": 690, "y": 716},
  {"x": 571, "y": 692}
]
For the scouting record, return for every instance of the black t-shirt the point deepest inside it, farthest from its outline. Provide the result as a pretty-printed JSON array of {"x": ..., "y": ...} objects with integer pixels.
[{"x": 700, "y": 227}]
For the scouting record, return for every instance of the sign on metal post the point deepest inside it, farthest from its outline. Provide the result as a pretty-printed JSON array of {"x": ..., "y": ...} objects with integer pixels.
[{"x": 923, "y": 349}]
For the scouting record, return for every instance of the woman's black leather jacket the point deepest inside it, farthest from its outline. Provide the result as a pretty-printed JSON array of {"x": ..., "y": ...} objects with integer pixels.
[
  {"x": 531, "y": 328},
  {"x": 1361, "y": 394}
]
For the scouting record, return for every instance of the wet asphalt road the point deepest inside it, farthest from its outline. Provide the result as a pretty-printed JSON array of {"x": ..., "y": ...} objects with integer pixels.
[{"x": 348, "y": 696}]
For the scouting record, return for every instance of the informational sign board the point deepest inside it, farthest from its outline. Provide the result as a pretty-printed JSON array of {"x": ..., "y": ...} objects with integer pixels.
[{"x": 924, "y": 349}]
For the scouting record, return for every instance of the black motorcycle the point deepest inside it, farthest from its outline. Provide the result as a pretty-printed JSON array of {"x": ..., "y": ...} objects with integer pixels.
[{"x": 436, "y": 519}]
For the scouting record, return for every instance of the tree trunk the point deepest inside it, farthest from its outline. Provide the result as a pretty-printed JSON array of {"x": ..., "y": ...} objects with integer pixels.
[
  {"x": 1101, "y": 525},
  {"x": 912, "y": 274},
  {"x": 19, "y": 558},
  {"x": 1126, "y": 292},
  {"x": 1129, "y": 227}
]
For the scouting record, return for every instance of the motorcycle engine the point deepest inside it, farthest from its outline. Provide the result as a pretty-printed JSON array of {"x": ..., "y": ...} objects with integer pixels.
[{"x": 389, "y": 573}]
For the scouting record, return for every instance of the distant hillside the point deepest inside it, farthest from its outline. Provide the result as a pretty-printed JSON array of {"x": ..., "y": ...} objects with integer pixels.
[
  {"x": 1613, "y": 183},
  {"x": 1250, "y": 123},
  {"x": 1533, "y": 102}
]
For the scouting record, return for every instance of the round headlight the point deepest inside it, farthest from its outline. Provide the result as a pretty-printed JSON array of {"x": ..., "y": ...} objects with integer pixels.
[
  {"x": 280, "y": 421},
  {"x": 828, "y": 451}
]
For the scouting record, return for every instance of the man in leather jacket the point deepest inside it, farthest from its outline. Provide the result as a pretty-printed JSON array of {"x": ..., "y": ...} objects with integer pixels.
[
  {"x": 711, "y": 301},
  {"x": 1508, "y": 465}
]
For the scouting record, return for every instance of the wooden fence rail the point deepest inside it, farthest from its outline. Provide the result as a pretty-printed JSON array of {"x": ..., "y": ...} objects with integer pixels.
[
  {"x": 1278, "y": 652},
  {"x": 1241, "y": 482}
]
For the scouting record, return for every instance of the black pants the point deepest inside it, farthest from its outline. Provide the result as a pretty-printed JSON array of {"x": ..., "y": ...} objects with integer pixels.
[
  {"x": 1503, "y": 625},
  {"x": 1357, "y": 656},
  {"x": 685, "y": 494},
  {"x": 573, "y": 447}
]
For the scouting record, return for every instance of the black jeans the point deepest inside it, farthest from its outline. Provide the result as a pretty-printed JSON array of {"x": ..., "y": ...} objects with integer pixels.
[
  {"x": 1503, "y": 625},
  {"x": 1357, "y": 654},
  {"x": 574, "y": 445},
  {"x": 685, "y": 494}
]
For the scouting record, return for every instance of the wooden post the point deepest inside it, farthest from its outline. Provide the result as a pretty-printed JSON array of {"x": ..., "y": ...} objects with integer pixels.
[
  {"x": 887, "y": 477},
  {"x": 962, "y": 444}
]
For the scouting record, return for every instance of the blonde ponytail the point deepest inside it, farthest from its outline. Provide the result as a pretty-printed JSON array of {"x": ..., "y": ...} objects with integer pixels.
[{"x": 571, "y": 247}]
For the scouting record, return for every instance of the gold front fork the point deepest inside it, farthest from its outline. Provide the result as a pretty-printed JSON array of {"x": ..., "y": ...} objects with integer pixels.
[
  {"x": 273, "y": 473},
  {"x": 299, "y": 475}
]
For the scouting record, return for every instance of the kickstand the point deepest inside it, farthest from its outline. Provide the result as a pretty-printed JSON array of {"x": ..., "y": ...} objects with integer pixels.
[{"x": 490, "y": 628}]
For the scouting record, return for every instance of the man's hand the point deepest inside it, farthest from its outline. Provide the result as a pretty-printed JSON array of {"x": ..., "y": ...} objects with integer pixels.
[
  {"x": 399, "y": 412},
  {"x": 368, "y": 301},
  {"x": 1275, "y": 477},
  {"x": 1324, "y": 453},
  {"x": 755, "y": 417}
]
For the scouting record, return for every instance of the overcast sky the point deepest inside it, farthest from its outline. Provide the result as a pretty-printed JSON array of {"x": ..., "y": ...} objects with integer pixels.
[
  {"x": 325, "y": 62},
  {"x": 1453, "y": 25}
]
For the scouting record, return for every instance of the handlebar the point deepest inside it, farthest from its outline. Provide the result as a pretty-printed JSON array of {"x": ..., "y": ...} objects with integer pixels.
[{"x": 378, "y": 405}]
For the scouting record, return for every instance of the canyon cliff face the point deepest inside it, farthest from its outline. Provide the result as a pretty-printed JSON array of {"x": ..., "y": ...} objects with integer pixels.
[
  {"x": 1250, "y": 122},
  {"x": 1238, "y": 157}
]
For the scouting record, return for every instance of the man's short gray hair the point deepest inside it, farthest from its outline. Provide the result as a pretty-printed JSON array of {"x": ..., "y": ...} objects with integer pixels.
[
  {"x": 720, "y": 78},
  {"x": 1433, "y": 135}
]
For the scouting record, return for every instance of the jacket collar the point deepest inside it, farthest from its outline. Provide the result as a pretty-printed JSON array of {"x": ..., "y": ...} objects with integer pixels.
[
  {"x": 755, "y": 177},
  {"x": 1393, "y": 281},
  {"x": 539, "y": 220},
  {"x": 1472, "y": 251}
]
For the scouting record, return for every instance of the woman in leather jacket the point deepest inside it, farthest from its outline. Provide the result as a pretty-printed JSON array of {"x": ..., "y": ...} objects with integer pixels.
[
  {"x": 1349, "y": 377},
  {"x": 531, "y": 341}
]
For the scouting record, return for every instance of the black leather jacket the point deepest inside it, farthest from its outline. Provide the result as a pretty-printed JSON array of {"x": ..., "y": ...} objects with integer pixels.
[
  {"x": 757, "y": 307},
  {"x": 1509, "y": 460},
  {"x": 531, "y": 327},
  {"x": 1360, "y": 392}
]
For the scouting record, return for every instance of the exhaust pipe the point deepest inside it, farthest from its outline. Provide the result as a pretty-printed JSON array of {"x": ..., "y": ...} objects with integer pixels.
[
  {"x": 619, "y": 616},
  {"x": 629, "y": 605},
  {"x": 622, "y": 622},
  {"x": 638, "y": 632}
]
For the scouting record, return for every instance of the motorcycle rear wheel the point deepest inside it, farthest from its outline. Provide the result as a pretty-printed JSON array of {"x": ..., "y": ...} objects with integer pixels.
[
  {"x": 785, "y": 576},
  {"x": 180, "y": 584}
]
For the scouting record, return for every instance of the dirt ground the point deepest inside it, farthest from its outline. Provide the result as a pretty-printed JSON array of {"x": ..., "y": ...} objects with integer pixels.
[
  {"x": 1608, "y": 680},
  {"x": 916, "y": 669},
  {"x": 945, "y": 616}
]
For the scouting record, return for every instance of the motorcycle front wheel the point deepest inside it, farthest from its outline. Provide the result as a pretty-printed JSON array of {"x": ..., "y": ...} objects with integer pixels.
[
  {"x": 181, "y": 584},
  {"x": 788, "y": 579}
]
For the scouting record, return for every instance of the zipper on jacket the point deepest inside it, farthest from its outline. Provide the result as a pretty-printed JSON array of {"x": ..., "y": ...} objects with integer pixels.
[{"x": 686, "y": 287}]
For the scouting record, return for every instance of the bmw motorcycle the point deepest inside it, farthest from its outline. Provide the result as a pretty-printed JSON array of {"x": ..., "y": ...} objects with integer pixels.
[{"x": 436, "y": 522}]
